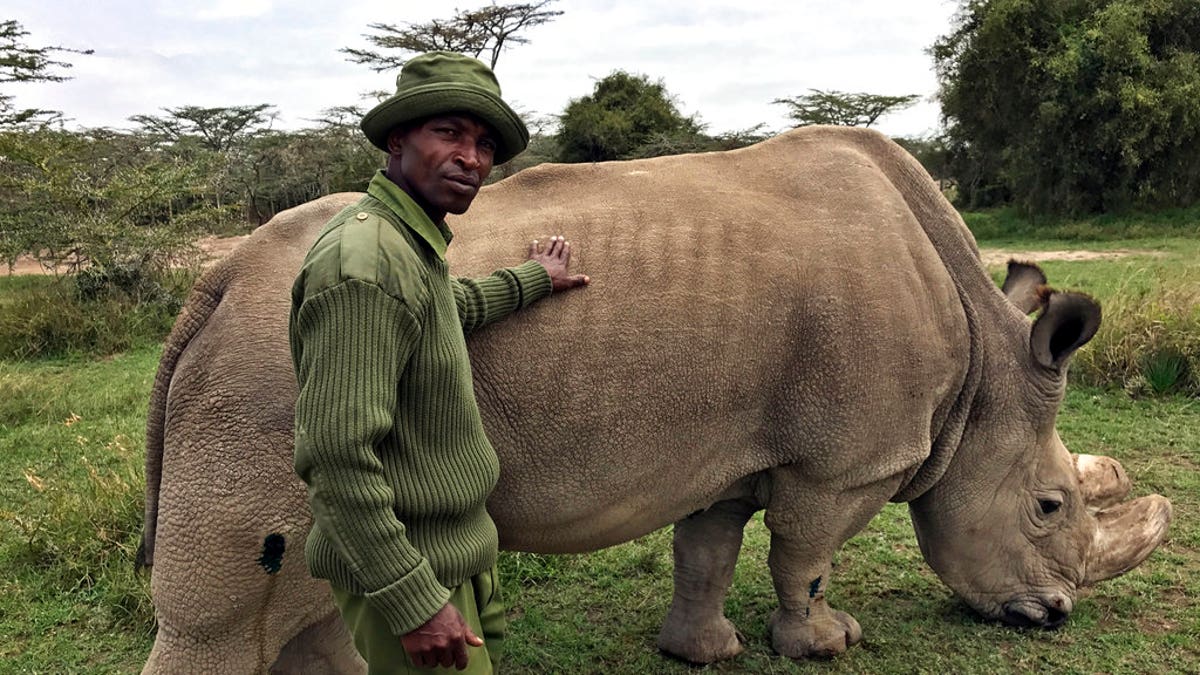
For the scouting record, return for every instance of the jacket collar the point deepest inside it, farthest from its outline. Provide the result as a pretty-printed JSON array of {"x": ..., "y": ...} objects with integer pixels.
[{"x": 437, "y": 235}]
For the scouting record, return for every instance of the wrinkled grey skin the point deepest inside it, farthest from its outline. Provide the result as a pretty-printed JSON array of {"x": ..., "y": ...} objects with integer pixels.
[{"x": 803, "y": 326}]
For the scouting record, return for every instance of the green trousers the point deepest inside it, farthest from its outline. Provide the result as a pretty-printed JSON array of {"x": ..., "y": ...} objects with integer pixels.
[{"x": 477, "y": 599}]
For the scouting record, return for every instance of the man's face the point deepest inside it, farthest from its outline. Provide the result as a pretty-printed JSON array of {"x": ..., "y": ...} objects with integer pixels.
[{"x": 442, "y": 161}]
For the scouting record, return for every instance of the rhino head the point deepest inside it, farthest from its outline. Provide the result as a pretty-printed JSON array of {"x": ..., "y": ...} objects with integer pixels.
[{"x": 1017, "y": 525}]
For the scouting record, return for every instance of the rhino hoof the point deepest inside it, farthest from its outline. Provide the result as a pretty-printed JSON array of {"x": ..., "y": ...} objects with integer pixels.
[
  {"x": 713, "y": 641},
  {"x": 799, "y": 637}
]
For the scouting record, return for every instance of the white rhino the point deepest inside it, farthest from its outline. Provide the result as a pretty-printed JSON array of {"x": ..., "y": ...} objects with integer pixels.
[{"x": 803, "y": 326}]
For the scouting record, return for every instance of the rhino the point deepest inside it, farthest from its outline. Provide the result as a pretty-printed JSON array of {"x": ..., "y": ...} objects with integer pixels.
[{"x": 802, "y": 327}]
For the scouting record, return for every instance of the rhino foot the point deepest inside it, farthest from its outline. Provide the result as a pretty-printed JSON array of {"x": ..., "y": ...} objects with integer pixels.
[
  {"x": 822, "y": 636},
  {"x": 700, "y": 642}
]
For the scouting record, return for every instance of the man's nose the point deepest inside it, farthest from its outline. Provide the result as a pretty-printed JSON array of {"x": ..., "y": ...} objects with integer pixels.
[{"x": 468, "y": 156}]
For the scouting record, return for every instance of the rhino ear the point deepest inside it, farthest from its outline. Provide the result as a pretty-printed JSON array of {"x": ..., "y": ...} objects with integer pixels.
[
  {"x": 1068, "y": 321},
  {"x": 1021, "y": 285}
]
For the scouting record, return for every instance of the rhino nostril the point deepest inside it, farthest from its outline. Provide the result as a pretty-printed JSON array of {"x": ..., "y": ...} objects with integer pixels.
[
  {"x": 1055, "y": 618},
  {"x": 1049, "y": 612},
  {"x": 1018, "y": 619}
]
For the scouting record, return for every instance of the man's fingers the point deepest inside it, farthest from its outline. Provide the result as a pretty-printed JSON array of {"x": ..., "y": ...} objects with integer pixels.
[
  {"x": 448, "y": 656},
  {"x": 471, "y": 638},
  {"x": 533, "y": 248},
  {"x": 460, "y": 656}
]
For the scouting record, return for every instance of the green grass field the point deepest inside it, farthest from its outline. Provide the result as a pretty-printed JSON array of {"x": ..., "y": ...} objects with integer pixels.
[{"x": 70, "y": 508}]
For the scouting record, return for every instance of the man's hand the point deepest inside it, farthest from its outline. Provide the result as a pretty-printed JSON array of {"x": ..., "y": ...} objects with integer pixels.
[
  {"x": 441, "y": 641},
  {"x": 556, "y": 259}
]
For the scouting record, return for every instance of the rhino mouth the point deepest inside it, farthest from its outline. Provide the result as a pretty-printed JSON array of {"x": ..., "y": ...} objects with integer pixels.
[{"x": 1049, "y": 613}]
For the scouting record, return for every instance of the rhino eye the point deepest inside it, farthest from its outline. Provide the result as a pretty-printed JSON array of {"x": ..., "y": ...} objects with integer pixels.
[{"x": 1048, "y": 506}]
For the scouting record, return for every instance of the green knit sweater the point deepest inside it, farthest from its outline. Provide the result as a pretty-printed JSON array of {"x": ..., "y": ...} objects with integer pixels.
[{"x": 388, "y": 435}]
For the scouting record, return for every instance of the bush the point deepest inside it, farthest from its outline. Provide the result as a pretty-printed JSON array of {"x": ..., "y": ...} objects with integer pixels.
[
  {"x": 104, "y": 313},
  {"x": 624, "y": 113},
  {"x": 1149, "y": 341}
]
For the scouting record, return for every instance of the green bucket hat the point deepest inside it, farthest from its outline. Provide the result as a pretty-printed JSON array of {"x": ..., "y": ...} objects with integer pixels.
[{"x": 445, "y": 82}]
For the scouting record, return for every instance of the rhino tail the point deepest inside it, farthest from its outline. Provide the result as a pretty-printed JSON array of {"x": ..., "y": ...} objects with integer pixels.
[{"x": 201, "y": 302}]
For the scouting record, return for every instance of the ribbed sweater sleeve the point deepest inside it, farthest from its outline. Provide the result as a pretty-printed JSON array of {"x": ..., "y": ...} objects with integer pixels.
[
  {"x": 487, "y": 299},
  {"x": 355, "y": 340}
]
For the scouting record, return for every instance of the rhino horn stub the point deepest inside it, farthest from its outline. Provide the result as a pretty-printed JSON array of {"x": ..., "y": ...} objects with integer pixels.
[
  {"x": 1021, "y": 285},
  {"x": 1068, "y": 321},
  {"x": 1102, "y": 481},
  {"x": 1127, "y": 534}
]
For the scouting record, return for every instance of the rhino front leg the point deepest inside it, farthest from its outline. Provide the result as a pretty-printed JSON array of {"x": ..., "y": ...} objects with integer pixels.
[
  {"x": 706, "y": 549},
  {"x": 808, "y": 524}
]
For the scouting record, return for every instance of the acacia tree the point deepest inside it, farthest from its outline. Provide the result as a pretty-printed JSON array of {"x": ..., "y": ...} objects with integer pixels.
[
  {"x": 217, "y": 129},
  {"x": 1073, "y": 105},
  {"x": 492, "y": 28},
  {"x": 848, "y": 109},
  {"x": 20, "y": 62},
  {"x": 220, "y": 141},
  {"x": 97, "y": 199}
]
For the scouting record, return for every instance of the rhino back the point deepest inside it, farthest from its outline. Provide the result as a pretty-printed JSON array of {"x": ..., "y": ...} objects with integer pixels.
[{"x": 773, "y": 305}]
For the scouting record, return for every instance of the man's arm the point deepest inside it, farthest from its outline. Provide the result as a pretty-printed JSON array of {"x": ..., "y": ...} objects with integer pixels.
[
  {"x": 488, "y": 299},
  {"x": 354, "y": 339}
]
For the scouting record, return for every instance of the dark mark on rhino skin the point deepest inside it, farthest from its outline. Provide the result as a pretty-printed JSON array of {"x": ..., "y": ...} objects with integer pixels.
[
  {"x": 272, "y": 555},
  {"x": 814, "y": 587}
]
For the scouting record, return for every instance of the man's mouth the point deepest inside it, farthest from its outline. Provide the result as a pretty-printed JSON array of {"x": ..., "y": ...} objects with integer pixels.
[{"x": 465, "y": 180}]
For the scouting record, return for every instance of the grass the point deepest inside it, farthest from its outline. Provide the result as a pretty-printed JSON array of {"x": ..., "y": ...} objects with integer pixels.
[
  {"x": 1008, "y": 225},
  {"x": 71, "y": 493},
  {"x": 70, "y": 508}
]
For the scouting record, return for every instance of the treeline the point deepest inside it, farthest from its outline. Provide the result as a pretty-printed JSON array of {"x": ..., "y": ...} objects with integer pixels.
[
  {"x": 1072, "y": 106},
  {"x": 1061, "y": 107}
]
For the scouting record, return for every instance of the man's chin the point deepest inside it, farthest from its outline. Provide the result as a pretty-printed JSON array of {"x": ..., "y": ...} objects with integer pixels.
[{"x": 459, "y": 208}]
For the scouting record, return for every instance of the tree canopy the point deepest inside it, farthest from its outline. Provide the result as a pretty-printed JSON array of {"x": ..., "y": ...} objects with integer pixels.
[
  {"x": 20, "y": 62},
  {"x": 217, "y": 129},
  {"x": 848, "y": 109},
  {"x": 491, "y": 29},
  {"x": 1073, "y": 105},
  {"x": 625, "y": 116}
]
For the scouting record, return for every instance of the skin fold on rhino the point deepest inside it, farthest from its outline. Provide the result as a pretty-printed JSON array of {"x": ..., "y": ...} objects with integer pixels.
[{"x": 803, "y": 326}]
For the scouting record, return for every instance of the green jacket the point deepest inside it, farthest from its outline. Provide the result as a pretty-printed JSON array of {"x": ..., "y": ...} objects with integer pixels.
[{"x": 388, "y": 435}]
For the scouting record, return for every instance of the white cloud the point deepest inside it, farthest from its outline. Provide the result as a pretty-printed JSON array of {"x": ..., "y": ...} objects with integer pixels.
[{"x": 217, "y": 10}]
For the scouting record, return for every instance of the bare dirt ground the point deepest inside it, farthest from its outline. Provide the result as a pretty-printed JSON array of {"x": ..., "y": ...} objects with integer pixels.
[
  {"x": 219, "y": 247},
  {"x": 999, "y": 256}
]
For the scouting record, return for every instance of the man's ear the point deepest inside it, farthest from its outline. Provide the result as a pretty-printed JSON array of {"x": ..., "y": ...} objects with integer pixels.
[{"x": 395, "y": 140}]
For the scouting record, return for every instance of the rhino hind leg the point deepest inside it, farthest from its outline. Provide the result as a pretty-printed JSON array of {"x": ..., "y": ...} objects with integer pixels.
[
  {"x": 706, "y": 546},
  {"x": 809, "y": 522},
  {"x": 324, "y": 648}
]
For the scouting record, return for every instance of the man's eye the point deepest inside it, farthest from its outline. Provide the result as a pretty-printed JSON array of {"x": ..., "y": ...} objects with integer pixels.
[{"x": 488, "y": 145}]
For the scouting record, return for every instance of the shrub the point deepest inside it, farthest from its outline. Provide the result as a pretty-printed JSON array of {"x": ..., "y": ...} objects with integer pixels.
[
  {"x": 101, "y": 312},
  {"x": 1149, "y": 341}
]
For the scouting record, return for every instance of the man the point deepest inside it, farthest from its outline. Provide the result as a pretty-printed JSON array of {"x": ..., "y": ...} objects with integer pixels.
[{"x": 388, "y": 436}]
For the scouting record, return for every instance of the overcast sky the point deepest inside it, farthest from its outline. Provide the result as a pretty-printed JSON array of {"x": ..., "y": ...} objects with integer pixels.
[{"x": 722, "y": 59}]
